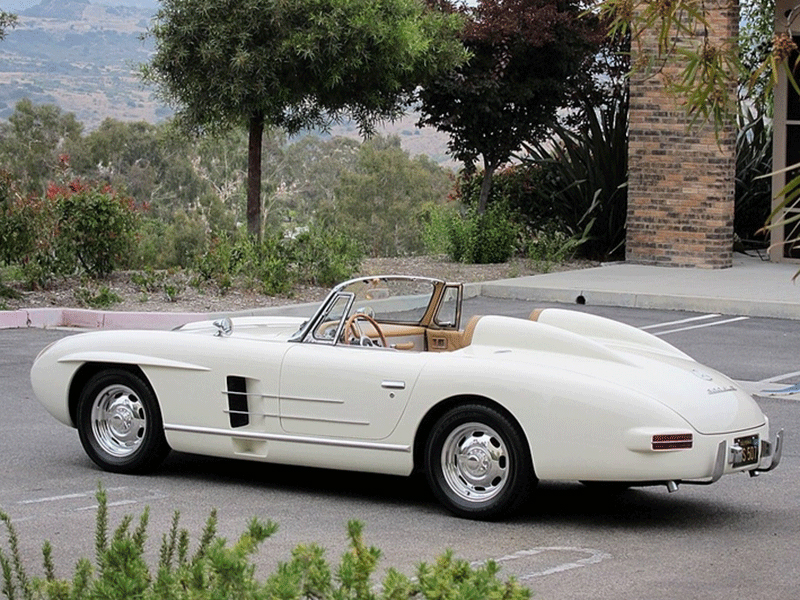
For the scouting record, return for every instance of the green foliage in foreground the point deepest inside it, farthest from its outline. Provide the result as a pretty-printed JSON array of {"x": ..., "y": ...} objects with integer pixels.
[{"x": 218, "y": 569}]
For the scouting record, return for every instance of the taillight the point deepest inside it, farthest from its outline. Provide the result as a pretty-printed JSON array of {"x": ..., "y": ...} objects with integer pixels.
[{"x": 672, "y": 441}]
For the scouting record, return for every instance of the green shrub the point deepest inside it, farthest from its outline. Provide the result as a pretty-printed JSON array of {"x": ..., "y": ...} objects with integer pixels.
[
  {"x": 437, "y": 222},
  {"x": 217, "y": 569},
  {"x": 316, "y": 256},
  {"x": 265, "y": 265},
  {"x": 30, "y": 236},
  {"x": 324, "y": 256},
  {"x": 550, "y": 246},
  {"x": 495, "y": 236},
  {"x": 96, "y": 225},
  {"x": 185, "y": 239},
  {"x": 148, "y": 280},
  {"x": 483, "y": 239},
  {"x": 17, "y": 222},
  {"x": 271, "y": 264},
  {"x": 151, "y": 251},
  {"x": 102, "y": 298},
  {"x": 76, "y": 226}
]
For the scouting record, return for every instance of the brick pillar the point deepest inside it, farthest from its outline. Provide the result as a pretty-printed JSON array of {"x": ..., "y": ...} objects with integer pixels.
[{"x": 680, "y": 180}]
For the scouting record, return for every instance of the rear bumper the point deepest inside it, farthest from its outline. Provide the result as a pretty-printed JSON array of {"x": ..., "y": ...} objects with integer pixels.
[
  {"x": 728, "y": 453},
  {"x": 770, "y": 454}
]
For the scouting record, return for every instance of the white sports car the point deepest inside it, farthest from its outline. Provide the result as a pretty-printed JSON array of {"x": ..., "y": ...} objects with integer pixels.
[{"x": 383, "y": 378}]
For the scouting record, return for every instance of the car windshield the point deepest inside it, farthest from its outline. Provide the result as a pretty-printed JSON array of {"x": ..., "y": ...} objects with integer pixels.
[{"x": 391, "y": 300}]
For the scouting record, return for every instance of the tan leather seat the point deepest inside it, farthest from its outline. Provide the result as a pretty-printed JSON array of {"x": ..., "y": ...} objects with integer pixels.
[{"x": 469, "y": 330}]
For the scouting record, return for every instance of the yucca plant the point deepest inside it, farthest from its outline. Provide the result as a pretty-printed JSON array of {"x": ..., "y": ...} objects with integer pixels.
[
  {"x": 586, "y": 175},
  {"x": 753, "y": 164}
]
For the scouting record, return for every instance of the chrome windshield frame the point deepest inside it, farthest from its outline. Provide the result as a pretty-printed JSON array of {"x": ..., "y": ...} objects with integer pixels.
[{"x": 305, "y": 333}]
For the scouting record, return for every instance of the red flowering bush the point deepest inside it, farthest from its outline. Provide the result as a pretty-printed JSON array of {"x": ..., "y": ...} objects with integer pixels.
[
  {"x": 73, "y": 227},
  {"x": 96, "y": 225}
]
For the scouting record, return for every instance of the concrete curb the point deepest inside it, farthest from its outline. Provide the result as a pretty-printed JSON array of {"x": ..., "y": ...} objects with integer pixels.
[{"x": 760, "y": 308}]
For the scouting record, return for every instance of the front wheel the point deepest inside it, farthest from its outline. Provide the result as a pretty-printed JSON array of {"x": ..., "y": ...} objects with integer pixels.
[
  {"x": 119, "y": 423},
  {"x": 477, "y": 463}
]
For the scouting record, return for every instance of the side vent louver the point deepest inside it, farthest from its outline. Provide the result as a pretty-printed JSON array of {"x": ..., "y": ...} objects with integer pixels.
[{"x": 237, "y": 401}]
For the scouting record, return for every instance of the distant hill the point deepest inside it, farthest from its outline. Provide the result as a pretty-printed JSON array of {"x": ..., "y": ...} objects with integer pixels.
[
  {"x": 83, "y": 57},
  {"x": 80, "y": 56}
]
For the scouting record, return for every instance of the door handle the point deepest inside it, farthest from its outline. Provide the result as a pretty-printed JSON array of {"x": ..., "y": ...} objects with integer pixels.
[{"x": 393, "y": 385}]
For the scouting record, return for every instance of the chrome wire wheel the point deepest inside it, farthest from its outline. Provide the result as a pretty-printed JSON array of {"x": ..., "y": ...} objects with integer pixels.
[
  {"x": 475, "y": 462},
  {"x": 118, "y": 420}
]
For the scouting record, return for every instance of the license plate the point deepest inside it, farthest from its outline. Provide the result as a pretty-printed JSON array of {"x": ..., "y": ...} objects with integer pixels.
[{"x": 749, "y": 446}]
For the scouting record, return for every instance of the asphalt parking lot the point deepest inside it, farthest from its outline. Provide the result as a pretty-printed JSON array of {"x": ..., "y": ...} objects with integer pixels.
[{"x": 737, "y": 538}]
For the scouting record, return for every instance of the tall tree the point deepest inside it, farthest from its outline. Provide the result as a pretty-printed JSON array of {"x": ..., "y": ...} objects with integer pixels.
[
  {"x": 381, "y": 201},
  {"x": 525, "y": 53},
  {"x": 296, "y": 64},
  {"x": 35, "y": 140}
]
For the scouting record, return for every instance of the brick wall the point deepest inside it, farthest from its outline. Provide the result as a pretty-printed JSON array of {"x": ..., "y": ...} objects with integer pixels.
[{"x": 681, "y": 180}]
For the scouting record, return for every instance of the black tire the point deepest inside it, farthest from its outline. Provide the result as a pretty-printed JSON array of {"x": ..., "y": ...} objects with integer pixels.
[
  {"x": 119, "y": 423},
  {"x": 477, "y": 463}
]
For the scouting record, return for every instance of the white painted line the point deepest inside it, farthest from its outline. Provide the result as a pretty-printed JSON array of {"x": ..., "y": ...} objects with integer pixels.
[
  {"x": 781, "y": 377},
  {"x": 110, "y": 504},
  {"x": 714, "y": 324},
  {"x": 681, "y": 321},
  {"x": 54, "y": 498},
  {"x": 593, "y": 557},
  {"x": 69, "y": 496}
]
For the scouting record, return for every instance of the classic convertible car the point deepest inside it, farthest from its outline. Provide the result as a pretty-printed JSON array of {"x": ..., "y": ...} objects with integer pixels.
[{"x": 383, "y": 378}]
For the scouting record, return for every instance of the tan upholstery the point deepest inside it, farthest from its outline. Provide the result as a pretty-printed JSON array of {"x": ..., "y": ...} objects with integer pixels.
[
  {"x": 447, "y": 341},
  {"x": 469, "y": 330},
  {"x": 535, "y": 314}
]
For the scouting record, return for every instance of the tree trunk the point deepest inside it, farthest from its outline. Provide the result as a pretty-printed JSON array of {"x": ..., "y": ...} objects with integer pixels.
[
  {"x": 254, "y": 176},
  {"x": 486, "y": 185}
]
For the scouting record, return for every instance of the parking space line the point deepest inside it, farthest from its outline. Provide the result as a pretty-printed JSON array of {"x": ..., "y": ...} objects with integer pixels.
[
  {"x": 54, "y": 498},
  {"x": 681, "y": 321},
  {"x": 592, "y": 557},
  {"x": 783, "y": 377},
  {"x": 702, "y": 325}
]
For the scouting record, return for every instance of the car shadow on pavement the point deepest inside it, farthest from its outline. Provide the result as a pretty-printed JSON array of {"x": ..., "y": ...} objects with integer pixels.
[
  {"x": 633, "y": 508},
  {"x": 551, "y": 503},
  {"x": 299, "y": 480}
]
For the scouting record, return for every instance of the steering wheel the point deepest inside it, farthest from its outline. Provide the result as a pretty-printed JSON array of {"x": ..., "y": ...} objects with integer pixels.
[{"x": 351, "y": 327}]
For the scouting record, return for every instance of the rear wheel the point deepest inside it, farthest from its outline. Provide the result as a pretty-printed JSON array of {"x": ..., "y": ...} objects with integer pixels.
[
  {"x": 477, "y": 463},
  {"x": 119, "y": 423}
]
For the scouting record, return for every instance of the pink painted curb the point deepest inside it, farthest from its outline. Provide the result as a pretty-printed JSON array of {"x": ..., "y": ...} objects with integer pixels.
[{"x": 48, "y": 318}]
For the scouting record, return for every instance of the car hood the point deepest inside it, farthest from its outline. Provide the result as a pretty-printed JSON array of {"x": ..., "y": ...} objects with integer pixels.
[
  {"x": 625, "y": 357},
  {"x": 269, "y": 328}
]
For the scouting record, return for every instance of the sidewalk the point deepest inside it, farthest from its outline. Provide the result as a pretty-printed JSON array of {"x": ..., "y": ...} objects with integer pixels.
[{"x": 751, "y": 287}]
